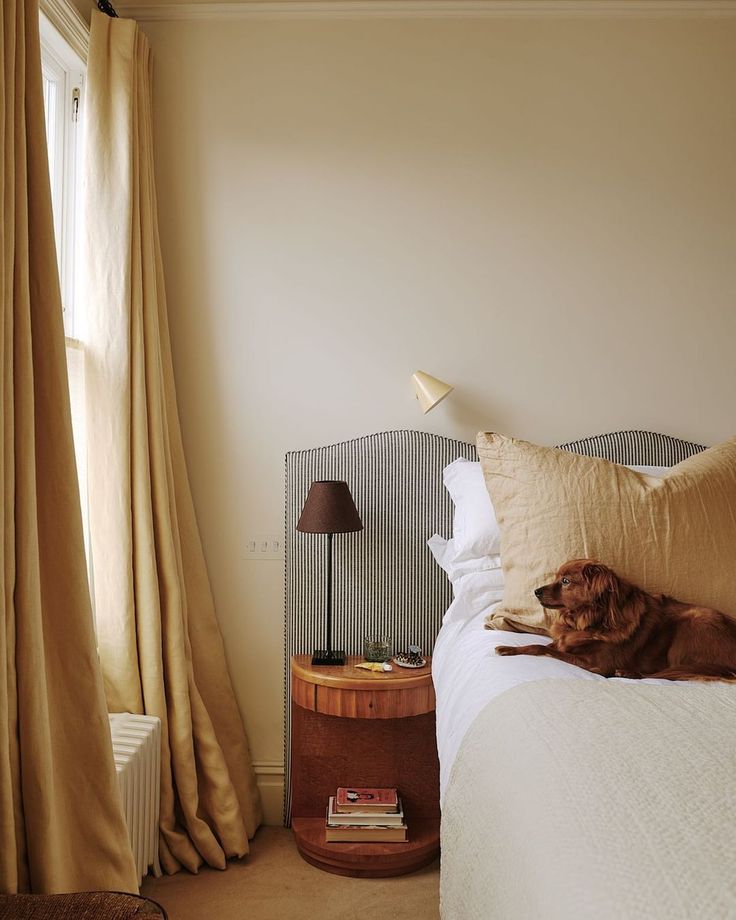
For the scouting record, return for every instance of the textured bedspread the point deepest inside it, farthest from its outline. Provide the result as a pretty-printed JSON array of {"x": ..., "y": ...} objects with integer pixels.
[{"x": 572, "y": 800}]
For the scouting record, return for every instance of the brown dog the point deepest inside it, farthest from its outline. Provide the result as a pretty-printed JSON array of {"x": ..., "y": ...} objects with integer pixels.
[{"x": 610, "y": 627}]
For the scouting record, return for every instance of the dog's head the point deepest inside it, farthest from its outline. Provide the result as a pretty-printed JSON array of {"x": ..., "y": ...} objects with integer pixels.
[{"x": 587, "y": 594}]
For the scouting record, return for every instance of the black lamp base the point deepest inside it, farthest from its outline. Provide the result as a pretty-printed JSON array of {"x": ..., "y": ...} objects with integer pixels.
[{"x": 323, "y": 657}]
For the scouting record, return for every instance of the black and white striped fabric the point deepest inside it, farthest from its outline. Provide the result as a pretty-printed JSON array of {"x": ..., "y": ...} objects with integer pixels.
[
  {"x": 635, "y": 448},
  {"x": 382, "y": 575},
  {"x": 385, "y": 581}
]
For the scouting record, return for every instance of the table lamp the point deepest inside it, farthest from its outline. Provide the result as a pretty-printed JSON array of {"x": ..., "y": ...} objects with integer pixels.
[{"x": 329, "y": 509}]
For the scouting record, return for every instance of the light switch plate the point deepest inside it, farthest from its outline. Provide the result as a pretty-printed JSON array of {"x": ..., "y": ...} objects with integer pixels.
[{"x": 264, "y": 546}]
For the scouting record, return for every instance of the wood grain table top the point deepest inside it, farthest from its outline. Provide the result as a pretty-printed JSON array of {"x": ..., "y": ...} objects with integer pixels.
[{"x": 348, "y": 677}]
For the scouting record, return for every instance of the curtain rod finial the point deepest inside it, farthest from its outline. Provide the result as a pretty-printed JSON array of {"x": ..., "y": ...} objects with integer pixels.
[{"x": 104, "y": 6}]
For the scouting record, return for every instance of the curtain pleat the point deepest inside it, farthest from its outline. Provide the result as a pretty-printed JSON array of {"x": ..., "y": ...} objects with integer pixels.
[
  {"x": 160, "y": 644},
  {"x": 61, "y": 821}
]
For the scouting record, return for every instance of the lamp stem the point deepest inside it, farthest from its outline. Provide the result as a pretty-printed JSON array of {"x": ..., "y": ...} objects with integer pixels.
[{"x": 329, "y": 595}]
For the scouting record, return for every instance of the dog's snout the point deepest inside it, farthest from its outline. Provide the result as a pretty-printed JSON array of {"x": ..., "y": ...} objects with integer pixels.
[{"x": 538, "y": 592}]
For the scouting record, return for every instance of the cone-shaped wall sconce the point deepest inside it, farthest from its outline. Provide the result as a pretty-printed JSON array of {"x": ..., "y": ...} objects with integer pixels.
[{"x": 429, "y": 390}]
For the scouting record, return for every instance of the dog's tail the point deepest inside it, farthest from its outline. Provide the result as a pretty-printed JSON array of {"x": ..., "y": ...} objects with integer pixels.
[{"x": 697, "y": 672}]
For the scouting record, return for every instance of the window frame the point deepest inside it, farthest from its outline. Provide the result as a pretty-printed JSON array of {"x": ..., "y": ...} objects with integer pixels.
[
  {"x": 64, "y": 74},
  {"x": 64, "y": 48}
]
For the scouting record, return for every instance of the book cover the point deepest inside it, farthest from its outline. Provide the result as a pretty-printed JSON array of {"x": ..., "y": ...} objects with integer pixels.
[
  {"x": 359, "y": 818},
  {"x": 355, "y": 798}
]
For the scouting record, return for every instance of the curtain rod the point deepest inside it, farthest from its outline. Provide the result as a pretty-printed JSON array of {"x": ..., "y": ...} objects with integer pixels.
[{"x": 104, "y": 6}]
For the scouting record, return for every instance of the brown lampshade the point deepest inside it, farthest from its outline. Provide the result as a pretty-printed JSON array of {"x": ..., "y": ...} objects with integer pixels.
[{"x": 329, "y": 508}]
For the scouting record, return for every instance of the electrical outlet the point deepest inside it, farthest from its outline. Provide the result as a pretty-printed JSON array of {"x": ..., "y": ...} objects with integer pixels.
[{"x": 264, "y": 546}]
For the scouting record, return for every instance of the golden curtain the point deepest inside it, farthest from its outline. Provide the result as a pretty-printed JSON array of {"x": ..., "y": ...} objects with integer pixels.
[
  {"x": 159, "y": 640},
  {"x": 61, "y": 823}
]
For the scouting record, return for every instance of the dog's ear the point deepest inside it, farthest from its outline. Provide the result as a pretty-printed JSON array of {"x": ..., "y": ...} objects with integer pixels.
[
  {"x": 610, "y": 600},
  {"x": 594, "y": 571}
]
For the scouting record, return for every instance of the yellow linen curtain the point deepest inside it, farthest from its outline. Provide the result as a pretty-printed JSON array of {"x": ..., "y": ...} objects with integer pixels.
[
  {"x": 159, "y": 640},
  {"x": 61, "y": 821}
]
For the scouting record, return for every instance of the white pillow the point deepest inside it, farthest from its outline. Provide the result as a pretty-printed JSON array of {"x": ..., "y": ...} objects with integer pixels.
[
  {"x": 476, "y": 539},
  {"x": 445, "y": 556},
  {"x": 475, "y": 530},
  {"x": 475, "y": 545},
  {"x": 476, "y": 594},
  {"x": 656, "y": 471}
]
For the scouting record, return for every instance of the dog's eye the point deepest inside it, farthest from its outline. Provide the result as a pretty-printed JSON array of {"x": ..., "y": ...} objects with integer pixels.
[{"x": 565, "y": 580}]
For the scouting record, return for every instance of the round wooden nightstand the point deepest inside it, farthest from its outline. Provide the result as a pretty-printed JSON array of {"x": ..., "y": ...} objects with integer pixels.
[{"x": 363, "y": 728}]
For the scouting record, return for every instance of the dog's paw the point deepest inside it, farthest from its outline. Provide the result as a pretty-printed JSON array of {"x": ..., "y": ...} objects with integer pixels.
[{"x": 506, "y": 649}]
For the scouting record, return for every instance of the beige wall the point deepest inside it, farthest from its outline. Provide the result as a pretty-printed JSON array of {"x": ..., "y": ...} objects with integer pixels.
[{"x": 540, "y": 211}]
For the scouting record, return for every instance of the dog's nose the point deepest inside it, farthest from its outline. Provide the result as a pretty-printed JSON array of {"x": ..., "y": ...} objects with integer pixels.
[{"x": 538, "y": 592}]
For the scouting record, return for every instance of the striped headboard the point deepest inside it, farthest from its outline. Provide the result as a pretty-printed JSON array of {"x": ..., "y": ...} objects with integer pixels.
[{"x": 385, "y": 580}]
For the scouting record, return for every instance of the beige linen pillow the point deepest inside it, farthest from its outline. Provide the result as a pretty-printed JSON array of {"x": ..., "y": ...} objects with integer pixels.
[{"x": 675, "y": 535}]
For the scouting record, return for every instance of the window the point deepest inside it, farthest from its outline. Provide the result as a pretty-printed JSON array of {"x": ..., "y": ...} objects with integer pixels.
[
  {"x": 63, "y": 94},
  {"x": 63, "y": 87}
]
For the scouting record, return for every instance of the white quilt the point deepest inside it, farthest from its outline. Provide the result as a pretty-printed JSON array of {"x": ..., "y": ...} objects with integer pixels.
[
  {"x": 566, "y": 796},
  {"x": 467, "y": 673}
]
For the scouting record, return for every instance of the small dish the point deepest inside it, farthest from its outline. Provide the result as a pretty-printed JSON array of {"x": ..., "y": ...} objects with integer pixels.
[{"x": 405, "y": 664}]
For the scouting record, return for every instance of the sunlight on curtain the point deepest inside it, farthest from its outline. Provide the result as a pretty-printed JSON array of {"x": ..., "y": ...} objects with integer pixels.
[
  {"x": 75, "y": 368},
  {"x": 159, "y": 640}
]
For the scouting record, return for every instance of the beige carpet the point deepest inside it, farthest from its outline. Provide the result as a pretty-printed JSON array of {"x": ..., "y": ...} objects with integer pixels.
[{"x": 274, "y": 883}]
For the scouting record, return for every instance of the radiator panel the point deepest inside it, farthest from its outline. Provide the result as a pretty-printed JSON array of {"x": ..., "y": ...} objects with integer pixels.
[{"x": 136, "y": 744}]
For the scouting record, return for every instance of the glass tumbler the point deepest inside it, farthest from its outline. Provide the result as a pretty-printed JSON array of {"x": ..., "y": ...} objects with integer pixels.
[{"x": 376, "y": 648}]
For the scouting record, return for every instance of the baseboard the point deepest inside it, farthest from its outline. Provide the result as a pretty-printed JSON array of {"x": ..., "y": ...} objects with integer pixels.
[{"x": 270, "y": 780}]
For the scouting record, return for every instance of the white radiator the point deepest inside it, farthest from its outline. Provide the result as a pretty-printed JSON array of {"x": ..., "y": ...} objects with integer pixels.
[{"x": 136, "y": 743}]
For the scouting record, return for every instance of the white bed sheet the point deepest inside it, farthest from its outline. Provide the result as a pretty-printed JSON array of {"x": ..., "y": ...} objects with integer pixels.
[{"x": 468, "y": 674}]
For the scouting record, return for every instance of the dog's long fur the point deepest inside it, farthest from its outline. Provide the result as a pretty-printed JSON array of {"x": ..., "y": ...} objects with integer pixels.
[{"x": 610, "y": 627}]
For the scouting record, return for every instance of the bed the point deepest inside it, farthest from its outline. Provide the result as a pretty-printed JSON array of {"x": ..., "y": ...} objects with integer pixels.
[{"x": 564, "y": 795}]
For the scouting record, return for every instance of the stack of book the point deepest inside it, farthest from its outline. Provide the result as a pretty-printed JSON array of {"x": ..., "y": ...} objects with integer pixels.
[{"x": 356, "y": 815}]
